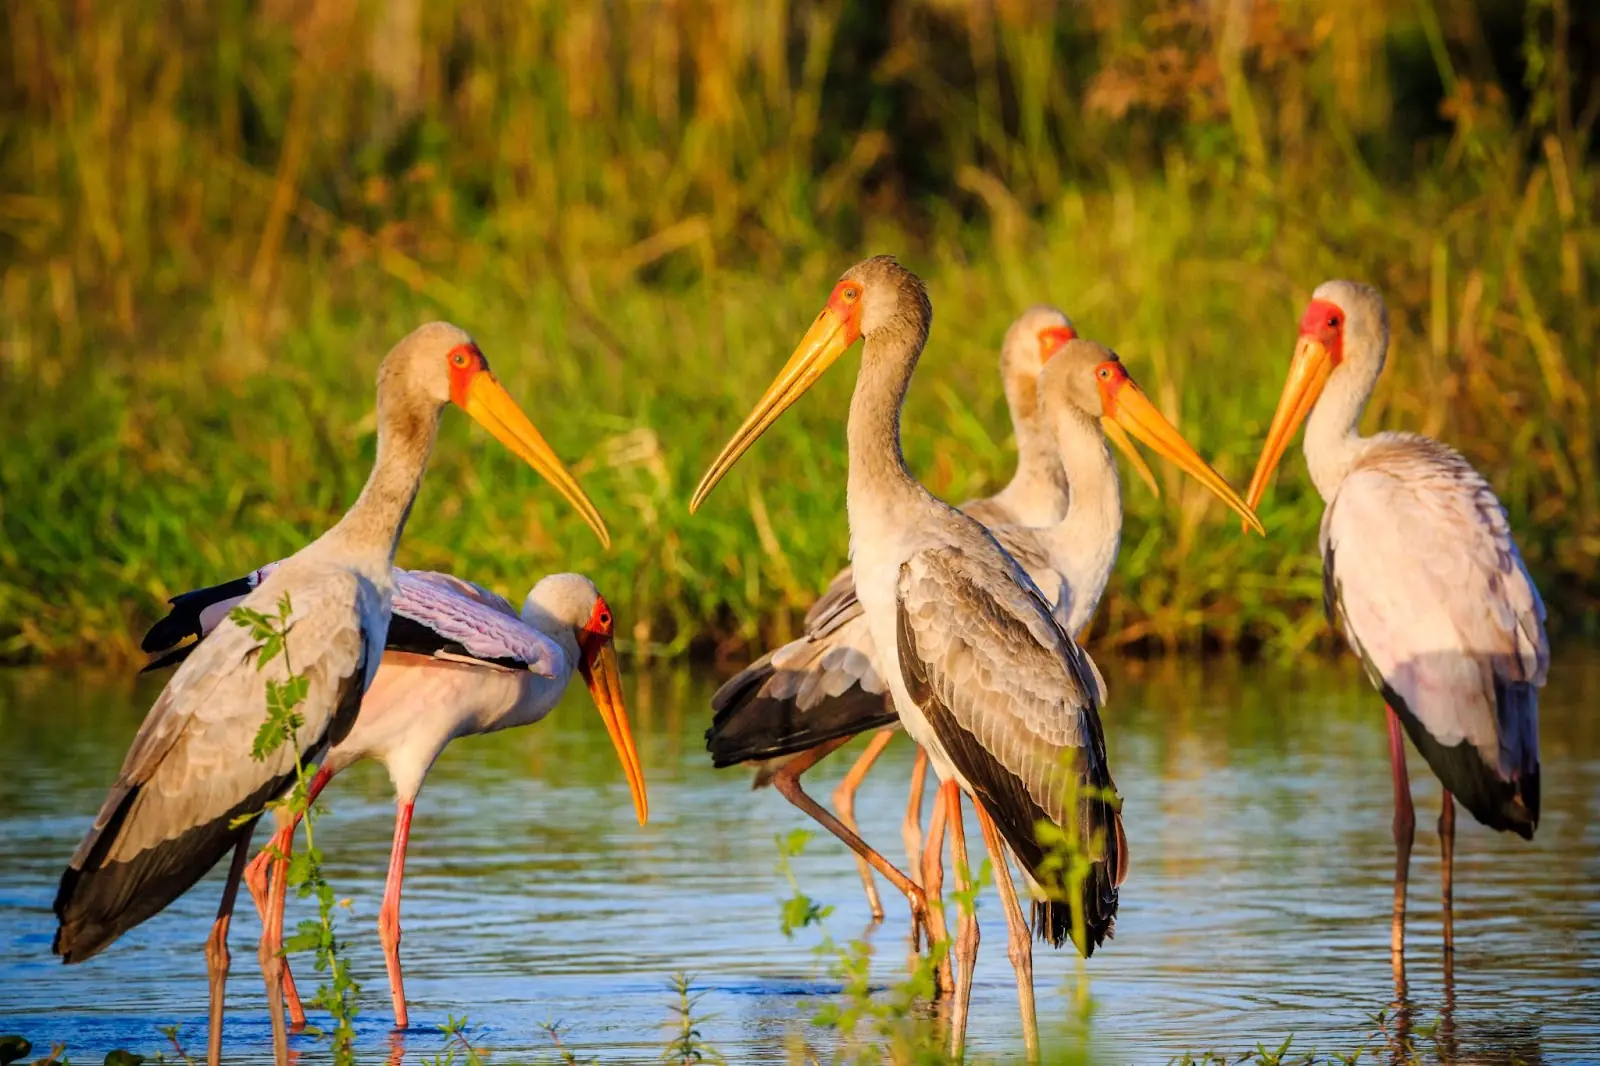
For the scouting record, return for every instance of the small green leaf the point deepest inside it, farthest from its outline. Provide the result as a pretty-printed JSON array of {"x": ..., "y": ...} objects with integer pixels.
[
  {"x": 259, "y": 625},
  {"x": 123, "y": 1057},
  {"x": 271, "y": 647},
  {"x": 300, "y": 867},
  {"x": 795, "y": 842}
]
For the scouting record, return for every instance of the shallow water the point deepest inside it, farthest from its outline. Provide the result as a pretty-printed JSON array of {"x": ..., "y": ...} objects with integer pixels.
[{"x": 1257, "y": 808}]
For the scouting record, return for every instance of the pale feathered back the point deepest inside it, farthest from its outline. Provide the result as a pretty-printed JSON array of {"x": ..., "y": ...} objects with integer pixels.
[{"x": 1420, "y": 567}]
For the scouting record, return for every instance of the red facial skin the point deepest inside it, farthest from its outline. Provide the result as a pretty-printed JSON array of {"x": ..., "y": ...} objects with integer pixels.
[
  {"x": 1109, "y": 378},
  {"x": 596, "y": 633},
  {"x": 1052, "y": 340},
  {"x": 845, "y": 301},
  {"x": 1324, "y": 322},
  {"x": 466, "y": 362}
]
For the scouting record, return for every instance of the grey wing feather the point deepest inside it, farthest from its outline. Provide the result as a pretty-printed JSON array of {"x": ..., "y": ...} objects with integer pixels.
[
  {"x": 442, "y": 615},
  {"x": 198, "y": 735},
  {"x": 1012, "y": 701},
  {"x": 189, "y": 771},
  {"x": 1421, "y": 568},
  {"x": 816, "y": 688},
  {"x": 825, "y": 684},
  {"x": 1022, "y": 544},
  {"x": 459, "y": 586},
  {"x": 838, "y": 598}
]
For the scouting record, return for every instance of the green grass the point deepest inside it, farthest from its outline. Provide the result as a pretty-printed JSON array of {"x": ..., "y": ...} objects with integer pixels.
[{"x": 211, "y": 245}]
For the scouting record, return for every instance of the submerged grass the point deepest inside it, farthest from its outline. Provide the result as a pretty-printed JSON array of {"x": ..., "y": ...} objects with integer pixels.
[{"x": 223, "y": 215}]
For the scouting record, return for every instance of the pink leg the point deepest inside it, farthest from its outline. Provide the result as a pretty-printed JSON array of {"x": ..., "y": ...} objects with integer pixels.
[
  {"x": 1405, "y": 822},
  {"x": 258, "y": 879},
  {"x": 1019, "y": 944},
  {"x": 217, "y": 957},
  {"x": 911, "y": 828},
  {"x": 270, "y": 949},
  {"x": 844, "y": 801},
  {"x": 389, "y": 913},
  {"x": 1447, "y": 855},
  {"x": 933, "y": 889},
  {"x": 965, "y": 948},
  {"x": 271, "y": 906},
  {"x": 787, "y": 782}
]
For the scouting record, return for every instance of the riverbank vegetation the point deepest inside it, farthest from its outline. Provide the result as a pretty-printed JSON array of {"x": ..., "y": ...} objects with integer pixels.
[{"x": 216, "y": 218}]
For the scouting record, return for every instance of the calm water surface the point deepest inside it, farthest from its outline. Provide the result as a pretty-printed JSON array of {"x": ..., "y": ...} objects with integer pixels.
[{"x": 1257, "y": 807}]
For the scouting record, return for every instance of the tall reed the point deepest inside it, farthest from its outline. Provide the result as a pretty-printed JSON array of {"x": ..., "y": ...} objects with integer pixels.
[{"x": 218, "y": 216}]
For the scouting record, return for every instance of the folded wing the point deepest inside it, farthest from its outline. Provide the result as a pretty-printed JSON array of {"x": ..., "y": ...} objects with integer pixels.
[
  {"x": 1420, "y": 567},
  {"x": 189, "y": 772},
  {"x": 1013, "y": 702}
]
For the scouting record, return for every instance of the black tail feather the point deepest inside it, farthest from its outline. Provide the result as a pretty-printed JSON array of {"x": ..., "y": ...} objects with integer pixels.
[
  {"x": 750, "y": 725},
  {"x": 1052, "y": 923},
  {"x": 98, "y": 901},
  {"x": 1052, "y": 918},
  {"x": 183, "y": 620},
  {"x": 171, "y": 658},
  {"x": 1507, "y": 805}
]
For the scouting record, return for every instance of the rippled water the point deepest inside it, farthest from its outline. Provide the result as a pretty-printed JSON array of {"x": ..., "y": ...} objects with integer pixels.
[{"x": 1257, "y": 808}]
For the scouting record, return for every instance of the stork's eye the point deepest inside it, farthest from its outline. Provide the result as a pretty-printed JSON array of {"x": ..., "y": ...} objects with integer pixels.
[
  {"x": 1105, "y": 374},
  {"x": 1333, "y": 321},
  {"x": 458, "y": 358},
  {"x": 605, "y": 619},
  {"x": 852, "y": 294}
]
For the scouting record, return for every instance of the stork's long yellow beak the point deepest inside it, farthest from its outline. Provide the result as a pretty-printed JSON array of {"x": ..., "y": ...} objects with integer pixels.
[
  {"x": 493, "y": 408},
  {"x": 1127, "y": 405},
  {"x": 599, "y": 668},
  {"x": 1308, "y": 376},
  {"x": 829, "y": 337},
  {"x": 1119, "y": 436}
]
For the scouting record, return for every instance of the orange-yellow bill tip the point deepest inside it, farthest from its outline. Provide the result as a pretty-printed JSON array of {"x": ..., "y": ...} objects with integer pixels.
[
  {"x": 605, "y": 685},
  {"x": 827, "y": 339},
  {"x": 488, "y": 403},
  {"x": 1133, "y": 411},
  {"x": 1307, "y": 377}
]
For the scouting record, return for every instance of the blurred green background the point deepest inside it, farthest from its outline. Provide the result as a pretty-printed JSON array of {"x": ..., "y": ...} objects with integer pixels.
[{"x": 216, "y": 217}]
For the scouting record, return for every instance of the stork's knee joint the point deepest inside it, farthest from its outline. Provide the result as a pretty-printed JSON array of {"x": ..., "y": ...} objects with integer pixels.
[{"x": 217, "y": 955}]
